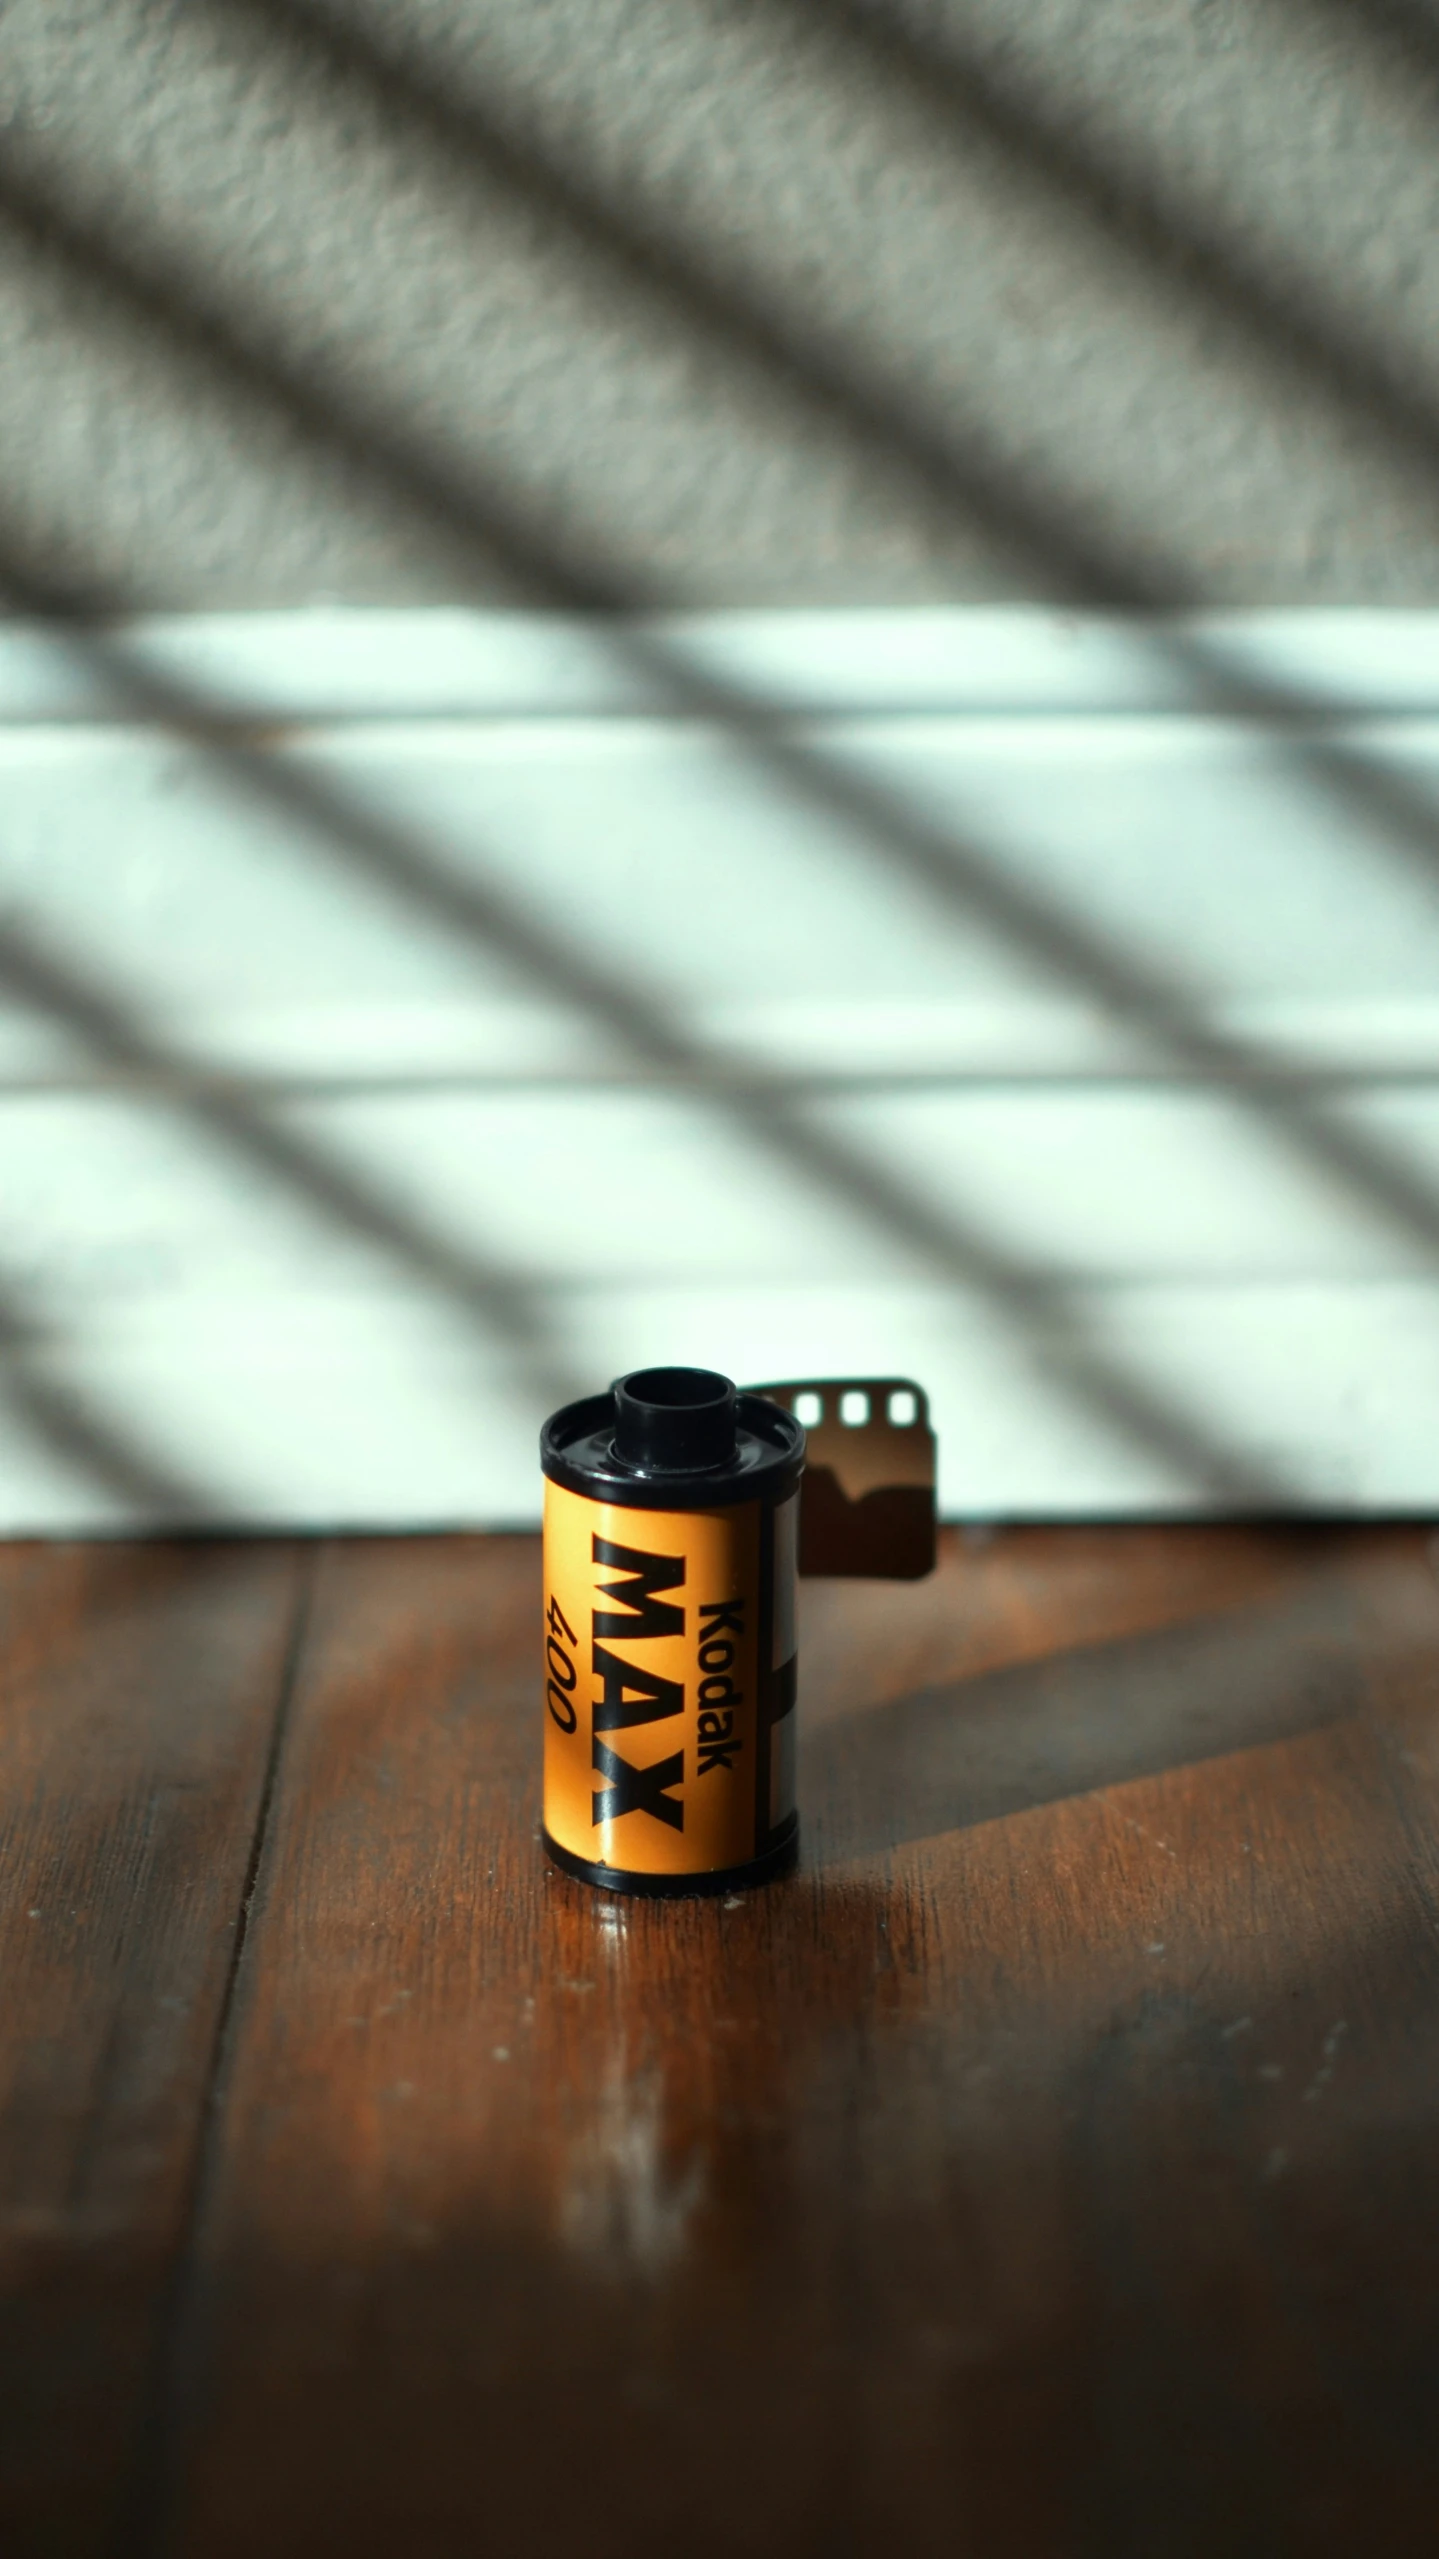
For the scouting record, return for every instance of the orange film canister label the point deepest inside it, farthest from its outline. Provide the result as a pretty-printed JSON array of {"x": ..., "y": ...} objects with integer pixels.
[
  {"x": 669, "y": 1641},
  {"x": 671, "y": 1546}
]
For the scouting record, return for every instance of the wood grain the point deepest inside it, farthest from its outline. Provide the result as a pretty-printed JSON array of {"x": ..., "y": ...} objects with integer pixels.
[
  {"x": 138, "y": 1691},
  {"x": 1046, "y": 2168}
]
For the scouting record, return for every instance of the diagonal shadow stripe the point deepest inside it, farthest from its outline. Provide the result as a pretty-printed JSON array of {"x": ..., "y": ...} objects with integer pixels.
[
  {"x": 502, "y": 1302},
  {"x": 943, "y": 1243},
  {"x": 1396, "y": 1190},
  {"x": 1287, "y": 320},
  {"x": 1289, "y": 325},
  {"x": 956, "y": 473},
  {"x": 960, "y": 875},
  {"x": 109, "y": 1453},
  {"x": 1075, "y": 1723},
  {"x": 1403, "y": 28},
  {"x": 457, "y": 510}
]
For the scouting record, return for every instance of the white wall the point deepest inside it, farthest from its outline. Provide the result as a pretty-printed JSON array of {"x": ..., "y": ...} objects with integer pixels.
[
  {"x": 412, "y": 1018},
  {"x": 719, "y": 301},
  {"x": 408, "y": 1019}
]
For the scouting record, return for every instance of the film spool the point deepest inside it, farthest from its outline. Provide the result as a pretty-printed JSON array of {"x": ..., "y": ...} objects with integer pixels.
[{"x": 671, "y": 1535}]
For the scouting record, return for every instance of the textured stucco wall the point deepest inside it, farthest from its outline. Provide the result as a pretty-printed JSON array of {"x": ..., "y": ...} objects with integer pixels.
[{"x": 715, "y": 300}]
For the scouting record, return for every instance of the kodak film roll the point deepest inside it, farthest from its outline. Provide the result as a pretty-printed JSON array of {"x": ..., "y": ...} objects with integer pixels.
[{"x": 671, "y": 1530}]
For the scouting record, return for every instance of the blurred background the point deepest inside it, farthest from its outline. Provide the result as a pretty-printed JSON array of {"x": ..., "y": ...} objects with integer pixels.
[{"x": 740, "y": 682}]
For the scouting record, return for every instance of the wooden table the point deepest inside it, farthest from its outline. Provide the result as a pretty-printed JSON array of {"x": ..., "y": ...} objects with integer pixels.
[{"x": 1051, "y": 2166}]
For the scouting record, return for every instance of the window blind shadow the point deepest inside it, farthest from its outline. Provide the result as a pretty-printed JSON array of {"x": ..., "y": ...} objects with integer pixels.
[{"x": 463, "y": 504}]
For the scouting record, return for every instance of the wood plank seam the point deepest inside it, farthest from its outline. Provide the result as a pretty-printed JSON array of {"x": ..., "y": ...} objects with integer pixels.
[{"x": 140, "y": 2527}]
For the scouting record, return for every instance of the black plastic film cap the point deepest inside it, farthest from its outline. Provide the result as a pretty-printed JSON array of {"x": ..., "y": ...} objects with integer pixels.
[{"x": 670, "y": 1421}]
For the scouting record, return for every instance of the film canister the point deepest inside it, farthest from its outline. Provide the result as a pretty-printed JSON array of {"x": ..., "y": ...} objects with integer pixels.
[{"x": 671, "y": 1539}]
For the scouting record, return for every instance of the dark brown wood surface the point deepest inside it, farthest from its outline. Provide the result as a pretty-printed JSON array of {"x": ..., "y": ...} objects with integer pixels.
[
  {"x": 138, "y": 1695},
  {"x": 1050, "y": 2166}
]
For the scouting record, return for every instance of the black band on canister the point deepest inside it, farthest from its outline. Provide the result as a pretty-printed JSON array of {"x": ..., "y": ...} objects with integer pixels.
[{"x": 587, "y": 1446}]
